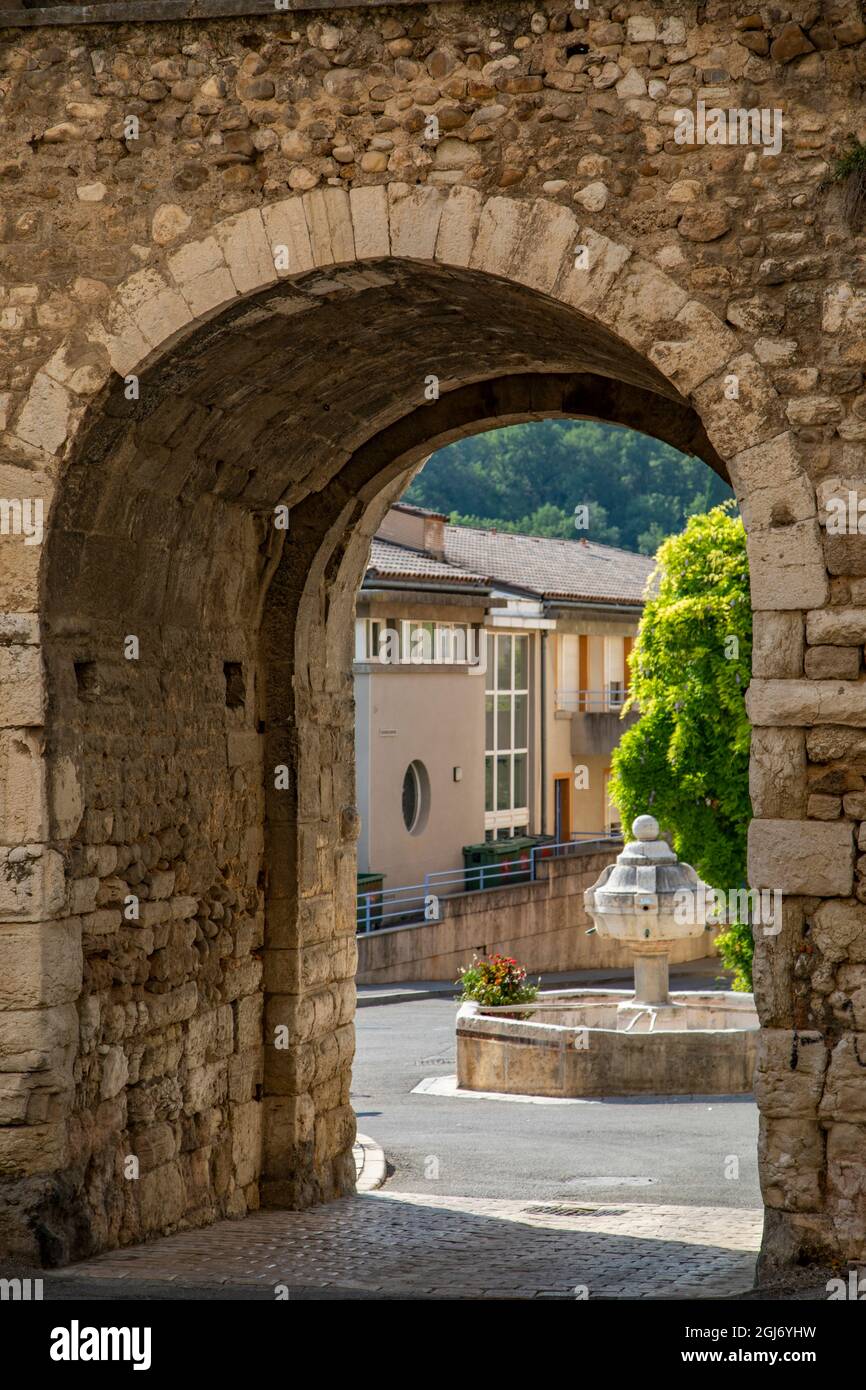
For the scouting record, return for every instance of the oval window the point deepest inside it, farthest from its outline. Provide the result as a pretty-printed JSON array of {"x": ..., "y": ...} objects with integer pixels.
[{"x": 416, "y": 797}]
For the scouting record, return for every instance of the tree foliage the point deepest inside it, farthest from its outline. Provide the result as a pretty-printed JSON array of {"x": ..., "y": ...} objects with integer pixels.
[
  {"x": 686, "y": 760},
  {"x": 529, "y": 478}
]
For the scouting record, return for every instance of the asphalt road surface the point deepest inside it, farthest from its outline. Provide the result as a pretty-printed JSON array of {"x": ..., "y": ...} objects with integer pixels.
[{"x": 643, "y": 1150}]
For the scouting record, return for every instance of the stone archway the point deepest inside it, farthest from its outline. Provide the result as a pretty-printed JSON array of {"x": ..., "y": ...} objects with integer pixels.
[{"x": 206, "y": 772}]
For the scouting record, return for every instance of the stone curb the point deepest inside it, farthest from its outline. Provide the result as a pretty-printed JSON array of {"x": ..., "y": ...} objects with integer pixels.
[
  {"x": 404, "y": 996},
  {"x": 371, "y": 1168}
]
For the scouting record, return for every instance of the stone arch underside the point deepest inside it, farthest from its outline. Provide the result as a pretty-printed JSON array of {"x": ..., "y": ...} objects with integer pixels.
[{"x": 308, "y": 392}]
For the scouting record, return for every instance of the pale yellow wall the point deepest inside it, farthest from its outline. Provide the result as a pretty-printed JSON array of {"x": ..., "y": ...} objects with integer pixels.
[{"x": 437, "y": 717}]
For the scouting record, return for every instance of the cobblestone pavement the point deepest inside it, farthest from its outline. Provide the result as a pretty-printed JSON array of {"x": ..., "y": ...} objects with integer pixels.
[{"x": 421, "y": 1244}]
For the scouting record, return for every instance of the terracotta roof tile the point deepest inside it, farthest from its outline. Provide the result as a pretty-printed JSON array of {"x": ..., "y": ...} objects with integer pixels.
[{"x": 551, "y": 568}]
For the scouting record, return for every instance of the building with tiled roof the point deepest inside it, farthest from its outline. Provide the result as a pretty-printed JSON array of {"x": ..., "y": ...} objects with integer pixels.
[{"x": 491, "y": 671}]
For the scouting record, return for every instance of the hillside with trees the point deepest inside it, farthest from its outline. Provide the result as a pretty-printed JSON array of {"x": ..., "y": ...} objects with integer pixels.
[{"x": 530, "y": 478}]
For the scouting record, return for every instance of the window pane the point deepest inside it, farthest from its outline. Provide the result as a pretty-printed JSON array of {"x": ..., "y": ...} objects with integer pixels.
[
  {"x": 521, "y": 663},
  {"x": 488, "y": 784},
  {"x": 503, "y": 721},
  {"x": 503, "y": 662},
  {"x": 521, "y": 721},
  {"x": 503, "y": 783},
  {"x": 410, "y": 797},
  {"x": 488, "y": 722},
  {"x": 520, "y": 798}
]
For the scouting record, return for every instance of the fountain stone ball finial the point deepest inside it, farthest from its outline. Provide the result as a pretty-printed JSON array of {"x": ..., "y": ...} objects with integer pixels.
[{"x": 645, "y": 828}]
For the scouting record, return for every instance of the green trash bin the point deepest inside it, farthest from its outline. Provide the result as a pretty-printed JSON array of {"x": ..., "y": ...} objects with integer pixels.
[
  {"x": 369, "y": 901},
  {"x": 498, "y": 863}
]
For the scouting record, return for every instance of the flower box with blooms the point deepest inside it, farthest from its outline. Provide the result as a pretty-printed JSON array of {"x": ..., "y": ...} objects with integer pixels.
[{"x": 496, "y": 980}]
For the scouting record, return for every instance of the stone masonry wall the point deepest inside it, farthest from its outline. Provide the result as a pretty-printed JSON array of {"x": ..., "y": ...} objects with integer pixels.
[{"x": 148, "y": 174}]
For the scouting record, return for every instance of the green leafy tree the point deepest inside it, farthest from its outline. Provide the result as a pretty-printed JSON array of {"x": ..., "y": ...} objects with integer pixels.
[
  {"x": 529, "y": 478},
  {"x": 687, "y": 759}
]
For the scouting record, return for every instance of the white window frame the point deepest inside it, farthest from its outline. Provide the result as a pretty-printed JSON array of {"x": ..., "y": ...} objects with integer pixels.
[{"x": 513, "y": 818}]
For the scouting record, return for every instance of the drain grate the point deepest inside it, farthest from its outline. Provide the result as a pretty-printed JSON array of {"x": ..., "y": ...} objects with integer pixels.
[{"x": 566, "y": 1209}]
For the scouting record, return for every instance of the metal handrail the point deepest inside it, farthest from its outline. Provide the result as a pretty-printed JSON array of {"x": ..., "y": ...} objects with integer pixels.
[
  {"x": 584, "y": 701},
  {"x": 418, "y": 903}
]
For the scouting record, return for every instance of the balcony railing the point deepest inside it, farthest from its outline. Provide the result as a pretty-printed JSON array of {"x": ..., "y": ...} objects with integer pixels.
[
  {"x": 418, "y": 903},
  {"x": 607, "y": 701}
]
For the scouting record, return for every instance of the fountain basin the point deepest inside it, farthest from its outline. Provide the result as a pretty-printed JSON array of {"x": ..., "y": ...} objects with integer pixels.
[{"x": 593, "y": 1042}]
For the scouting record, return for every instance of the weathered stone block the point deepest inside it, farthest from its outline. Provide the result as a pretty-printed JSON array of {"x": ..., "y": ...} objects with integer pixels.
[
  {"x": 807, "y": 703},
  {"x": 40, "y": 964},
  {"x": 22, "y": 689},
  {"x": 777, "y": 645},
  {"x": 786, "y": 567},
  {"x": 840, "y": 627},
  {"x": 805, "y": 857},
  {"x": 825, "y": 663},
  {"x": 791, "y": 1155},
  {"x": 777, "y": 772}
]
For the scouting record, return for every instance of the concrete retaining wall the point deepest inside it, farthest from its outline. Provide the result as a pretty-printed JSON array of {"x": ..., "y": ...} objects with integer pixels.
[{"x": 542, "y": 924}]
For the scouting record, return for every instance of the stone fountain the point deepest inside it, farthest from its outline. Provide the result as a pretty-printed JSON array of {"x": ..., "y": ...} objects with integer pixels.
[
  {"x": 648, "y": 900},
  {"x": 594, "y": 1042}
]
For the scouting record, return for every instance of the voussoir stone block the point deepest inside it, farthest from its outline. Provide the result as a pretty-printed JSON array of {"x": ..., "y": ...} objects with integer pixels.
[
  {"x": 642, "y": 305},
  {"x": 370, "y": 224},
  {"x": 286, "y": 227},
  {"x": 735, "y": 422},
  {"x": 247, "y": 251},
  {"x": 587, "y": 286},
  {"x": 414, "y": 212},
  {"x": 44, "y": 419},
  {"x": 772, "y": 488},
  {"x": 548, "y": 244},
  {"x": 332, "y": 239},
  {"x": 702, "y": 346},
  {"x": 458, "y": 226},
  {"x": 501, "y": 228},
  {"x": 200, "y": 272},
  {"x": 807, "y": 857}
]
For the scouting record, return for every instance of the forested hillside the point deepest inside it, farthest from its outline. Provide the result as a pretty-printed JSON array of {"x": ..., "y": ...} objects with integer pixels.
[{"x": 530, "y": 478}]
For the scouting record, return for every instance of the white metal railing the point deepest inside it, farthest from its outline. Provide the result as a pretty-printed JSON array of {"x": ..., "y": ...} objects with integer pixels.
[
  {"x": 417, "y": 903},
  {"x": 607, "y": 701}
]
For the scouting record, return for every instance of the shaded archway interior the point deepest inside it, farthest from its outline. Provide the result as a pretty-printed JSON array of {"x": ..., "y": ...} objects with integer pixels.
[{"x": 172, "y": 702}]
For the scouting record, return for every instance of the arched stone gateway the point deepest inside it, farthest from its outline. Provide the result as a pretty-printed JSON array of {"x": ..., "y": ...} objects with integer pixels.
[{"x": 177, "y": 896}]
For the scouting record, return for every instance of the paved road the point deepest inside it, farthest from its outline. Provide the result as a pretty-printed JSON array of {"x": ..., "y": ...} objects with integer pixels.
[{"x": 653, "y": 1151}]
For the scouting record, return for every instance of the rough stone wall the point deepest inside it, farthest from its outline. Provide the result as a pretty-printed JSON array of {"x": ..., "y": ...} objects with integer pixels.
[{"x": 121, "y": 249}]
